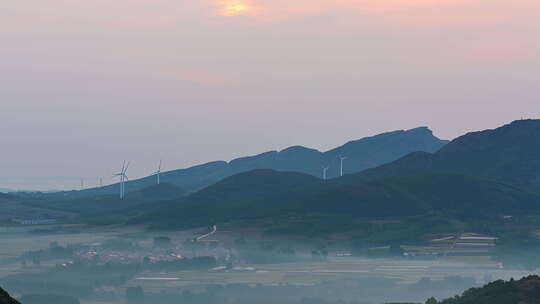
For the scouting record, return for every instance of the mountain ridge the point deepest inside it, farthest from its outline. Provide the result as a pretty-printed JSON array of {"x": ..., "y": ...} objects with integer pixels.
[
  {"x": 508, "y": 154},
  {"x": 363, "y": 153},
  {"x": 417, "y": 184}
]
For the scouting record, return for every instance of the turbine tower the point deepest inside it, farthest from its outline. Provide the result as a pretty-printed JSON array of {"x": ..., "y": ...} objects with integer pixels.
[
  {"x": 325, "y": 169},
  {"x": 342, "y": 158},
  {"x": 158, "y": 173},
  {"x": 123, "y": 179}
]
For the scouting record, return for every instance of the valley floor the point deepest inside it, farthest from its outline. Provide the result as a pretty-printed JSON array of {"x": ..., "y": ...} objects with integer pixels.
[{"x": 338, "y": 268}]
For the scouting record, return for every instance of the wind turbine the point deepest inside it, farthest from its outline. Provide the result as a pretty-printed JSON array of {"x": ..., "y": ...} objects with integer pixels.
[
  {"x": 121, "y": 175},
  {"x": 158, "y": 173},
  {"x": 123, "y": 179},
  {"x": 325, "y": 169},
  {"x": 342, "y": 158}
]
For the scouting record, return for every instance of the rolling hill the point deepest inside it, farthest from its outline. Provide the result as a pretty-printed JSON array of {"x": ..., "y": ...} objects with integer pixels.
[
  {"x": 13, "y": 207},
  {"x": 107, "y": 204},
  {"x": 254, "y": 194},
  {"x": 456, "y": 181},
  {"x": 361, "y": 154},
  {"x": 267, "y": 194}
]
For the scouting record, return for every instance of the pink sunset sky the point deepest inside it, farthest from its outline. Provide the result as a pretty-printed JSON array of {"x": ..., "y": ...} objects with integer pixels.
[{"x": 87, "y": 84}]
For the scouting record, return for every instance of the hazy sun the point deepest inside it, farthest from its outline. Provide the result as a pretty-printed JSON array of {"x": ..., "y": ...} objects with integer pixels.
[{"x": 232, "y": 8}]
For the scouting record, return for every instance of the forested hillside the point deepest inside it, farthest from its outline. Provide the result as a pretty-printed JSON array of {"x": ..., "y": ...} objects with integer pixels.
[
  {"x": 509, "y": 154},
  {"x": 469, "y": 178},
  {"x": 524, "y": 291}
]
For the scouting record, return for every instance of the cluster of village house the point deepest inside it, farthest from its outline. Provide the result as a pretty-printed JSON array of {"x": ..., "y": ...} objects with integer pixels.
[
  {"x": 37, "y": 221},
  {"x": 102, "y": 255}
]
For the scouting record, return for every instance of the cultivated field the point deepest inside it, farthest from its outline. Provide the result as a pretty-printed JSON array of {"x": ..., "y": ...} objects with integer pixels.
[{"x": 403, "y": 271}]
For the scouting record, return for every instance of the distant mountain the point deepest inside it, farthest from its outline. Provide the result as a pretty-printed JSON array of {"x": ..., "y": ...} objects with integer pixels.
[
  {"x": 524, "y": 291},
  {"x": 480, "y": 174},
  {"x": 509, "y": 154},
  {"x": 361, "y": 154},
  {"x": 6, "y": 299}
]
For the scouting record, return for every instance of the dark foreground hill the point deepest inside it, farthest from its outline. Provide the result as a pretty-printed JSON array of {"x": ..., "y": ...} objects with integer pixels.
[
  {"x": 477, "y": 175},
  {"x": 5, "y": 195},
  {"x": 254, "y": 194},
  {"x": 48, "y": 299},
  {"x": 107, "y": 204},
  {"x": 361, "y": 154},
  {"x": 5, "y": 298},
  {"x": 16, "y": 208},
  {"x": 524, "y": 291},
  {"x": 267, "y": 194}
]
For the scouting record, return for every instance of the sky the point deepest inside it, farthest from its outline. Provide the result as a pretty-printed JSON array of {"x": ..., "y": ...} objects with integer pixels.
[{"x": 85, "y": 85}]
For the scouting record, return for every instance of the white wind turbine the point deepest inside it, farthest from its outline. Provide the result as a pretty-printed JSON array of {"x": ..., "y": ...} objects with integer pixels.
[
  {"x": 123, "y": 179},
  {"x": 325, "y": 169},
  {"x": 342, "y": 158},
  {"x": 158, "y": 173}
]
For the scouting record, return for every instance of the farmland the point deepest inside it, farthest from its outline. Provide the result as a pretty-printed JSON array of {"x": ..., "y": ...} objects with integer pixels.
[{"x": 242, "y": 258}]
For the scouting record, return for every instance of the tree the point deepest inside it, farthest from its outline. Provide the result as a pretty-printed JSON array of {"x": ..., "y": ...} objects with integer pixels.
[{"x": 432, "y": 301}]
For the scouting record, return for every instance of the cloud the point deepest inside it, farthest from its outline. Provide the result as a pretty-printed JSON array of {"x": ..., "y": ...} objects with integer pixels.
[
  {"x": 65, "y": 16},
  {"x": 280, "y": 9},
  {"x": 235, "y": 8}
]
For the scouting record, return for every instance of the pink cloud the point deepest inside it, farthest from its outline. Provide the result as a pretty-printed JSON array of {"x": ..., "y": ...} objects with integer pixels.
[
  {"x": 279, "y": 9},
  {"x": 413, "y": 13},
  {"x": 156, "y": 15}
]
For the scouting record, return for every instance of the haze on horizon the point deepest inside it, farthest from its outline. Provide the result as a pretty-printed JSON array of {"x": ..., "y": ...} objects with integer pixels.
[{"x": 87, "y": 84}]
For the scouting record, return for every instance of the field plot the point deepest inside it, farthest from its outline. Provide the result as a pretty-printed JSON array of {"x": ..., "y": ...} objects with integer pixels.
[
  {"x": 232, "y": 262},
  {"x": 310, "y": 273}
]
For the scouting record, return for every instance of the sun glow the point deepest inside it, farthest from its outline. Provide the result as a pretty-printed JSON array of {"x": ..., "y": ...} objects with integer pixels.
[{"x": 233, "y": 8}]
